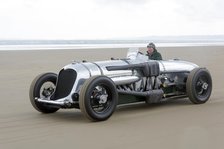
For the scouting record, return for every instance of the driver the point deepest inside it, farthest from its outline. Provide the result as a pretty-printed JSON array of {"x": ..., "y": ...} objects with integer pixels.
[{"x": 152, "y": 53}]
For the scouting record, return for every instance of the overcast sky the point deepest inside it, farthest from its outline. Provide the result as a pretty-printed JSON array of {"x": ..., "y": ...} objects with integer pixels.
[{"x": 105, "y": 19}]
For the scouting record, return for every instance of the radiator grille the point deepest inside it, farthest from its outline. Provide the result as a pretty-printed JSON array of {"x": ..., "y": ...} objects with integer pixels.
[{"x": 65, "y": 82}]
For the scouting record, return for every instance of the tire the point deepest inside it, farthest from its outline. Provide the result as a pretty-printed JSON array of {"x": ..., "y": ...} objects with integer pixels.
[
  {"x": 199, "y": 85},
  {"x": 90, "y": 103},
  {"x": 36, "y": 91}
]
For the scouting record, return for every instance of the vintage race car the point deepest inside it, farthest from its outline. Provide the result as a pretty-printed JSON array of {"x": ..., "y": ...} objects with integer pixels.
[{"x": 96, "y": 88}]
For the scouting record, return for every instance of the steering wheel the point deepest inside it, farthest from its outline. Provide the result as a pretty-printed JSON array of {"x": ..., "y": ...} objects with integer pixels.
[{"x": 140, "y": 52}]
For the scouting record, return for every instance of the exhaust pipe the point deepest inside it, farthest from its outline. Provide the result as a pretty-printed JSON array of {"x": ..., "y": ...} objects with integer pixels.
[
  {"x": 152, "y": 96},
  {"x": 144, "y": 94}
]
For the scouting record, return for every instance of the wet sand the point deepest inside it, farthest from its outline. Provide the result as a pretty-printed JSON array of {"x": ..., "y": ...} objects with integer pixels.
[{"x": 175, "y": 124}]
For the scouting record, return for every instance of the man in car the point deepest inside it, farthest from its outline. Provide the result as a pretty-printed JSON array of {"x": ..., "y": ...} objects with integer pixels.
[{"x": 152, "y": 52}]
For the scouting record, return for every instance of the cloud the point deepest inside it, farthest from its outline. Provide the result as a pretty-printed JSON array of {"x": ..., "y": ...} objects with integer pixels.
[
  {"x": 126, "y": 2},
  {"x": 69, "y": 19},
  {"x": 201, "y": 10}
]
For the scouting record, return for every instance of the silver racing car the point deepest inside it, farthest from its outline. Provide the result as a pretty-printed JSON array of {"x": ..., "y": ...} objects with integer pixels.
[{"x": 96, "y": 88}]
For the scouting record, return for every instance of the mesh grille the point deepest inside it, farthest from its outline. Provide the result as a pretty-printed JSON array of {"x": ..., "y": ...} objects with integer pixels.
[{"x": 66, "y": 79}]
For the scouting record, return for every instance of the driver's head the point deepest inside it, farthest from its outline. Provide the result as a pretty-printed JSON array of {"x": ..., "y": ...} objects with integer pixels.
[{"x": 150, "y": 48}]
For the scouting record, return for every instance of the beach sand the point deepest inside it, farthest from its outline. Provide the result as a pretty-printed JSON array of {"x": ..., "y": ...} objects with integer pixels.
[{"x": 175, "y": 124}]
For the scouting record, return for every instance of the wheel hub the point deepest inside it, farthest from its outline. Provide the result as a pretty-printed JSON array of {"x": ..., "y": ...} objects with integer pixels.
[
  {"x": 99, "y": 99},
  {"x": 205, "y": 86},
  {"x": 202, "y": 87},
  {"x": 102, "y": 99},
  {"x": 47, "y": 89}
]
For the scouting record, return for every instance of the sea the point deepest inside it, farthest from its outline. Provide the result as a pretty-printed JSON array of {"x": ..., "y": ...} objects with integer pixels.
[{"x": 160, "y": 41}]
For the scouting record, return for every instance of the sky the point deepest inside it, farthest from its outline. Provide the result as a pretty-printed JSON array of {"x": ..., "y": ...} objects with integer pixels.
[{"x": 109, "y": 19}]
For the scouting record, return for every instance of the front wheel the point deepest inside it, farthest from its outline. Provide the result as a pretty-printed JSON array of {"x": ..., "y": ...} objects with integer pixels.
[
  {"x": 98, "y": 98},
  {"x": 199, "y": 85},
  {"x": 43, "y": 86}
]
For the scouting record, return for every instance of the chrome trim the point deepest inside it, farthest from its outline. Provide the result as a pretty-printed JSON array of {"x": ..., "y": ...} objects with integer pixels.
[
  {"x": 101, "y": 71},
  {"x": 176, "y": 66},
  {"x": 60, "y": 103},
  {"x": 125, "y": 79}
]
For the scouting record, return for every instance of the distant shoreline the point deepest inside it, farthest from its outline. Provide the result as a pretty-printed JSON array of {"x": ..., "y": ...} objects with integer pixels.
[
  {"x": 134, "y": 40},
  {"x": 100, "y": 46},
  {"x": 141, "y": 42}
]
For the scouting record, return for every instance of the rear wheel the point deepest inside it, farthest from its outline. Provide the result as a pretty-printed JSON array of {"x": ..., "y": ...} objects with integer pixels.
[
  {"x": 43, "y": 86},
  {"x": 98, "y": 98},
  {"x": 199, "y": 85}
]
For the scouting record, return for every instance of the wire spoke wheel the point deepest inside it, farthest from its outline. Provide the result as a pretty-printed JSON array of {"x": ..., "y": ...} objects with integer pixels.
[
  {"x": 98, "y": 98},
  {"x": 43, "y": 86},
  {"x": 199, "y": 85}
]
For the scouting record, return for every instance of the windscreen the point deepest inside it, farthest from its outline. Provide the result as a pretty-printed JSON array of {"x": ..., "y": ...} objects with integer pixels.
[{"x": 133, "y": 53}]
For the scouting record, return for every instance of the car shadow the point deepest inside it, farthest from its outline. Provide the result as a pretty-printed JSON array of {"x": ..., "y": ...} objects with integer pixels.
[
  {"x": 142, "y": 106},
  {"x": 67, "y": 115},
  {"x": 74, "y": 115}
]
